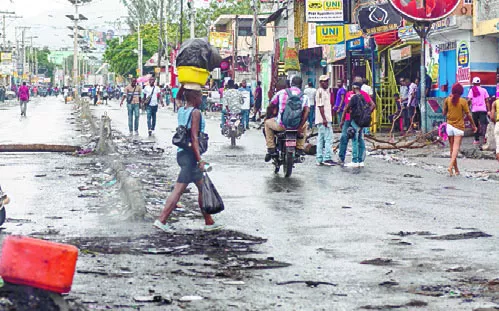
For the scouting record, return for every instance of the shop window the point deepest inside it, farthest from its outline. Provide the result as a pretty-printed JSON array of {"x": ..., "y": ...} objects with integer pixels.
[{"x": 246, "y": 26}]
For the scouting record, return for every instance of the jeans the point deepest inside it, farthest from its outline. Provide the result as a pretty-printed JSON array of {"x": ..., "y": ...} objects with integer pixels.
[
  {"x": 339, "y": 114},
  {"x": 151, "y": 117},
  {"x": 271, "y": 126},
  {"x": 24, "y": 106},
  {"x": 222, "y": 122},
  {"x": 358, "y": 144},
  {"x": 311, "y": 117},
  {"x": 133, "y": 111},
  {"x": 245, "y": 114},
  {"x": 324, "y": 142},
  {"x": 481, "y": 122},
  {"x": 344, "y": 141}
]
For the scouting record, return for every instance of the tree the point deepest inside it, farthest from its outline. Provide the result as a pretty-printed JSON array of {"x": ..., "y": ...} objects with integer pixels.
[
  {"x": 45, "y": 67},
  {"x": 141, "y": 12},
  {"x": 123, "y": 57}
]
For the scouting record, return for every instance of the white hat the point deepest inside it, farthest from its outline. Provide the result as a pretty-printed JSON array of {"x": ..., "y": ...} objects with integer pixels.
[
  {"x": 476, "y": 80},
  {"x": 324, "y": 78}
]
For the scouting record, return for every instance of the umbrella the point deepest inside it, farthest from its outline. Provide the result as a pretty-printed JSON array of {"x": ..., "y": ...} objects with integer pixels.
[{"x": 144, "y": 78}]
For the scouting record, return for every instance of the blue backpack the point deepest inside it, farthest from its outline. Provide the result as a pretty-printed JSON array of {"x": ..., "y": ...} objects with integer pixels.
[{"x": 292, "y": 114}]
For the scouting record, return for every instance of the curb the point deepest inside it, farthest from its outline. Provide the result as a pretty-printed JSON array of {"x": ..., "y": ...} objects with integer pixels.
[{"x": 130, "y": 187}]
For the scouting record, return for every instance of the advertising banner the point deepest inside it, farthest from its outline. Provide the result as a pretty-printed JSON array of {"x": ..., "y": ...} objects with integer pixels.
[
  {"x": 330, "y": 34},
  {"x": 356, "y": 44},
  {"x": 221, "y": 40},
  {"x": 428, "y": 11},
  {"x": 352, "y": 31},
  {"x": 323, "y": 11},
  {"x": 378, "y": 18},
  {"x": 463, "y": 74},
  {"x": 6, "y": 57}
]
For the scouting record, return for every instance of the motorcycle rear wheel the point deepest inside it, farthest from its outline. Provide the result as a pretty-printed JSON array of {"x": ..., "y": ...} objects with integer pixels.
[
  {"x": 2, "y": 216},
  {"x": 288, "y": 164}
]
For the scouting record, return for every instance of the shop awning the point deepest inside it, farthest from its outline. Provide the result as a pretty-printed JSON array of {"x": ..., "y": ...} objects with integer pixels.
[
  {"x": 273, "y": 17},
  {"x": 386, "y": 38}
]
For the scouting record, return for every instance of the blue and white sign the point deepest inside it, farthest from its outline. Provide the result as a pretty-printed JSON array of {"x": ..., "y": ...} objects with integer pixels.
[{"x": 356, "y": 44}]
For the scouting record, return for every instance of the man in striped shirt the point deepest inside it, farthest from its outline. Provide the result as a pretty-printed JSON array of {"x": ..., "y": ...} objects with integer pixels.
[{"x": 132, "y": 94}]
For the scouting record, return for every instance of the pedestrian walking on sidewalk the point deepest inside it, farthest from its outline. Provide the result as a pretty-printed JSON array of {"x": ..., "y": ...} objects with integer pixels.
[
  {"x": 339, "y": 104},
  {"x": 190, "y": 161},
  {"x": 455, "y": 109},
  {"x": 23, "y": 96},
  {"x": 478, "y": 97},
  {"x": 494, "y": 116},
  {"x": 152, "y": 95},
  {"x": 324, "y": 123},
  {"x": 132, "y": 96}
]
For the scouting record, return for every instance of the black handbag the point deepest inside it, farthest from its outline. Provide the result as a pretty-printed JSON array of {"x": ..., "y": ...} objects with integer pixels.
[{"x": 182, "y": 136}]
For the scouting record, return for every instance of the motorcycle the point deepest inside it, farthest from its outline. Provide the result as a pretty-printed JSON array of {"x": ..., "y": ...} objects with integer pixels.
[
  {"x": 4, "y": 200},
  {"x": 233, "y": 128},
  {"x": 117, "y": 94},
  {"x": 286, "y": 152}
]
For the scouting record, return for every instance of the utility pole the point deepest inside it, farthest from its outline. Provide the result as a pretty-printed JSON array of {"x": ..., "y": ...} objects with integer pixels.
[
  {"x": 181, "y": 21},
  {"x": 190, "y": 4},
  {"x": 254, "y": 41},
  {"x": 77, "y": 17},
  {"x": 160, "y": 38},
  {"x": 24, "y": 51},
  {"x": 6, "y": 15},
  {"x": 139, "y": 52}
]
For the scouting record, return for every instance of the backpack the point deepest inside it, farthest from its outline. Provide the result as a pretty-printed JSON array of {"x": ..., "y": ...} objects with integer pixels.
[
  {"x": 361, "y": 111},
  {"x": 292, "y": 114}
]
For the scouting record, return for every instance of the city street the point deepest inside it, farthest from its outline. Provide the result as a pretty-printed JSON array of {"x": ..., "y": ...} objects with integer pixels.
[{"x": 389, "y": 236}]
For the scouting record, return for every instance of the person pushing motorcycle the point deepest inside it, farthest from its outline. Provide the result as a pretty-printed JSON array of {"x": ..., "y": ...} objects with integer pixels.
[{"x": 278, "y": 124}]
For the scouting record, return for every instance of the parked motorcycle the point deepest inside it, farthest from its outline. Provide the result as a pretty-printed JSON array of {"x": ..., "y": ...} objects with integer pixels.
[
  {"x": 4, "y": 200},
  {"x": 117, "y": 94},
  {"x": 286, "y": 152},
  {"x": 233, "y": 128}
]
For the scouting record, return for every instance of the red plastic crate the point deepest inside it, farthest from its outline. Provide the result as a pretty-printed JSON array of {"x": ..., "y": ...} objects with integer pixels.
[{"x": 38, "y": 263}]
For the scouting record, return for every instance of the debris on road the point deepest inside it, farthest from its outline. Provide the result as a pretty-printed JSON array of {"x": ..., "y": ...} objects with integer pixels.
[
  {"x": 37, "y": 148},
  {"x": 461, "y": 236},
  {"x": 378, "y": 262},
  {"x": 308, "y": 283}
]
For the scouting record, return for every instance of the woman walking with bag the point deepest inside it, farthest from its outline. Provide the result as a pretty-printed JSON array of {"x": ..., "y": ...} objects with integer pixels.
[
  {"x": 189, "y": 159},
  {"x": 455, "y": 109}
]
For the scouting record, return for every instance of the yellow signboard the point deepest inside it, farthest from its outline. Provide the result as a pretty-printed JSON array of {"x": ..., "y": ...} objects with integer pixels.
[
  {"x": 6, "y": 57},
  {"x": 330, "y": 34},
  {"x": 221, "y": 40},
  {"x": 157, "y": 70},
  {"x": 352, "y": 32}
]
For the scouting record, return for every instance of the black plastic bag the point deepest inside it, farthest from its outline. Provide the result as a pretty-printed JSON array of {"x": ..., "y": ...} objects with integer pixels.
[
  {"x": 212, "y": 202},
  {"x": 198, "y": 53}
]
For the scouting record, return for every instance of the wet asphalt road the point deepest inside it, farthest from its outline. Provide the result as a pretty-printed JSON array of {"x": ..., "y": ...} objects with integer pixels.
[{"x": 323, "y": 221}]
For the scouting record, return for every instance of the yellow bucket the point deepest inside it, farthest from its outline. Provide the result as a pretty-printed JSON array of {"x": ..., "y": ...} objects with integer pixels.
[{"x": 190, "y": 74}]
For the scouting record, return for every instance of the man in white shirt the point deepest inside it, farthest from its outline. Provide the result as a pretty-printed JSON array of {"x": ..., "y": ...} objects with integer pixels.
[
  {"x": 310, "y": 92},
  {"x": 245, "y": 108},
  {"x": 324, "y": 123},
  {"x": 152, "y": 95}
]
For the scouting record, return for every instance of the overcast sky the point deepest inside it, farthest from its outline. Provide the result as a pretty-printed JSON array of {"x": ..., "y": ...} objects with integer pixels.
[{"x": 48, "y": 21}]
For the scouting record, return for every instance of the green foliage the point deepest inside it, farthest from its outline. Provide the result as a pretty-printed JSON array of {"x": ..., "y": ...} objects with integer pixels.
[
  {"x": 44, "y": 65},
  {"x": 123, "y": 59}
]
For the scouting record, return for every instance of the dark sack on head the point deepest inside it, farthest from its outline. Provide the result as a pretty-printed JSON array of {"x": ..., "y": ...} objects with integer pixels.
[
  {"x": 198, "y": 53},
  {"x": 361, "y": 111},
  {"x": 291, "y": 116},
  {"x": 212, "y": 202}
]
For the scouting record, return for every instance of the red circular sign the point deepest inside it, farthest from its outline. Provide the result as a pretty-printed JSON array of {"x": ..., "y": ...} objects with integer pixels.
[{"x": 425, "y": 10}]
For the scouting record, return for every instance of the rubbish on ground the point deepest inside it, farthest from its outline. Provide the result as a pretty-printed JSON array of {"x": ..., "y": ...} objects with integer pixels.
[
  {"x": 233, "y": 283},
  {"x": 461, "y": 236},
  {"x": 190, "y": 298},
  {"x": 308, "y": 283},
  {"x": 389, "y": 203},
  {"x": 111, "y": 183},
  {"x": 155, "y": 298},
  {"x": 378, "y": 262}
]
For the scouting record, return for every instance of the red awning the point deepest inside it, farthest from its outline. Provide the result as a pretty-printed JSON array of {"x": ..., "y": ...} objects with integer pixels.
[{"x": 386, "y": 38}]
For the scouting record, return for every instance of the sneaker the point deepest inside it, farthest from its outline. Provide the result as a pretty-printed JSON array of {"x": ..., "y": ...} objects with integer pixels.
[
  {"x": 137, "y": 133},
  {"x": 214, "y": 227},
  {"x": 351, "y": 164},
  {"x": 341, "y": 162},
  {"x": 164, "y": 227},
  {"x": 329, "y": 163},
  {"x": 362, "y": 164},
  {"x": 268, "y": 157},
  {"x": 319, "y": 163},
  {"x": 476, "y": 142},
  {"x": 131, "y": 133},
  {"x": 150, "y": 133}
]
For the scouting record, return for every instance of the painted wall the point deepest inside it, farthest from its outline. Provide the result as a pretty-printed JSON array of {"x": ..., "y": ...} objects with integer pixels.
[
  {"x": 485, "y": 18},
  {"x": 485, "y": 61}
]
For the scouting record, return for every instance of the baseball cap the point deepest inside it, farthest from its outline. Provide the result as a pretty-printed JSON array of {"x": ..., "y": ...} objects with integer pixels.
[
  {"x": 324, "y": 78},
  {"x": 357, "y": 85},
  {"x": 476, "y": 80}
]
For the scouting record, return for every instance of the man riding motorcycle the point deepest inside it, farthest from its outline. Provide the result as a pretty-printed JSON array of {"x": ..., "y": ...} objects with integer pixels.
[
  {"x": 273, "y": 125},
  {"x": 232, "y": 101}
]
